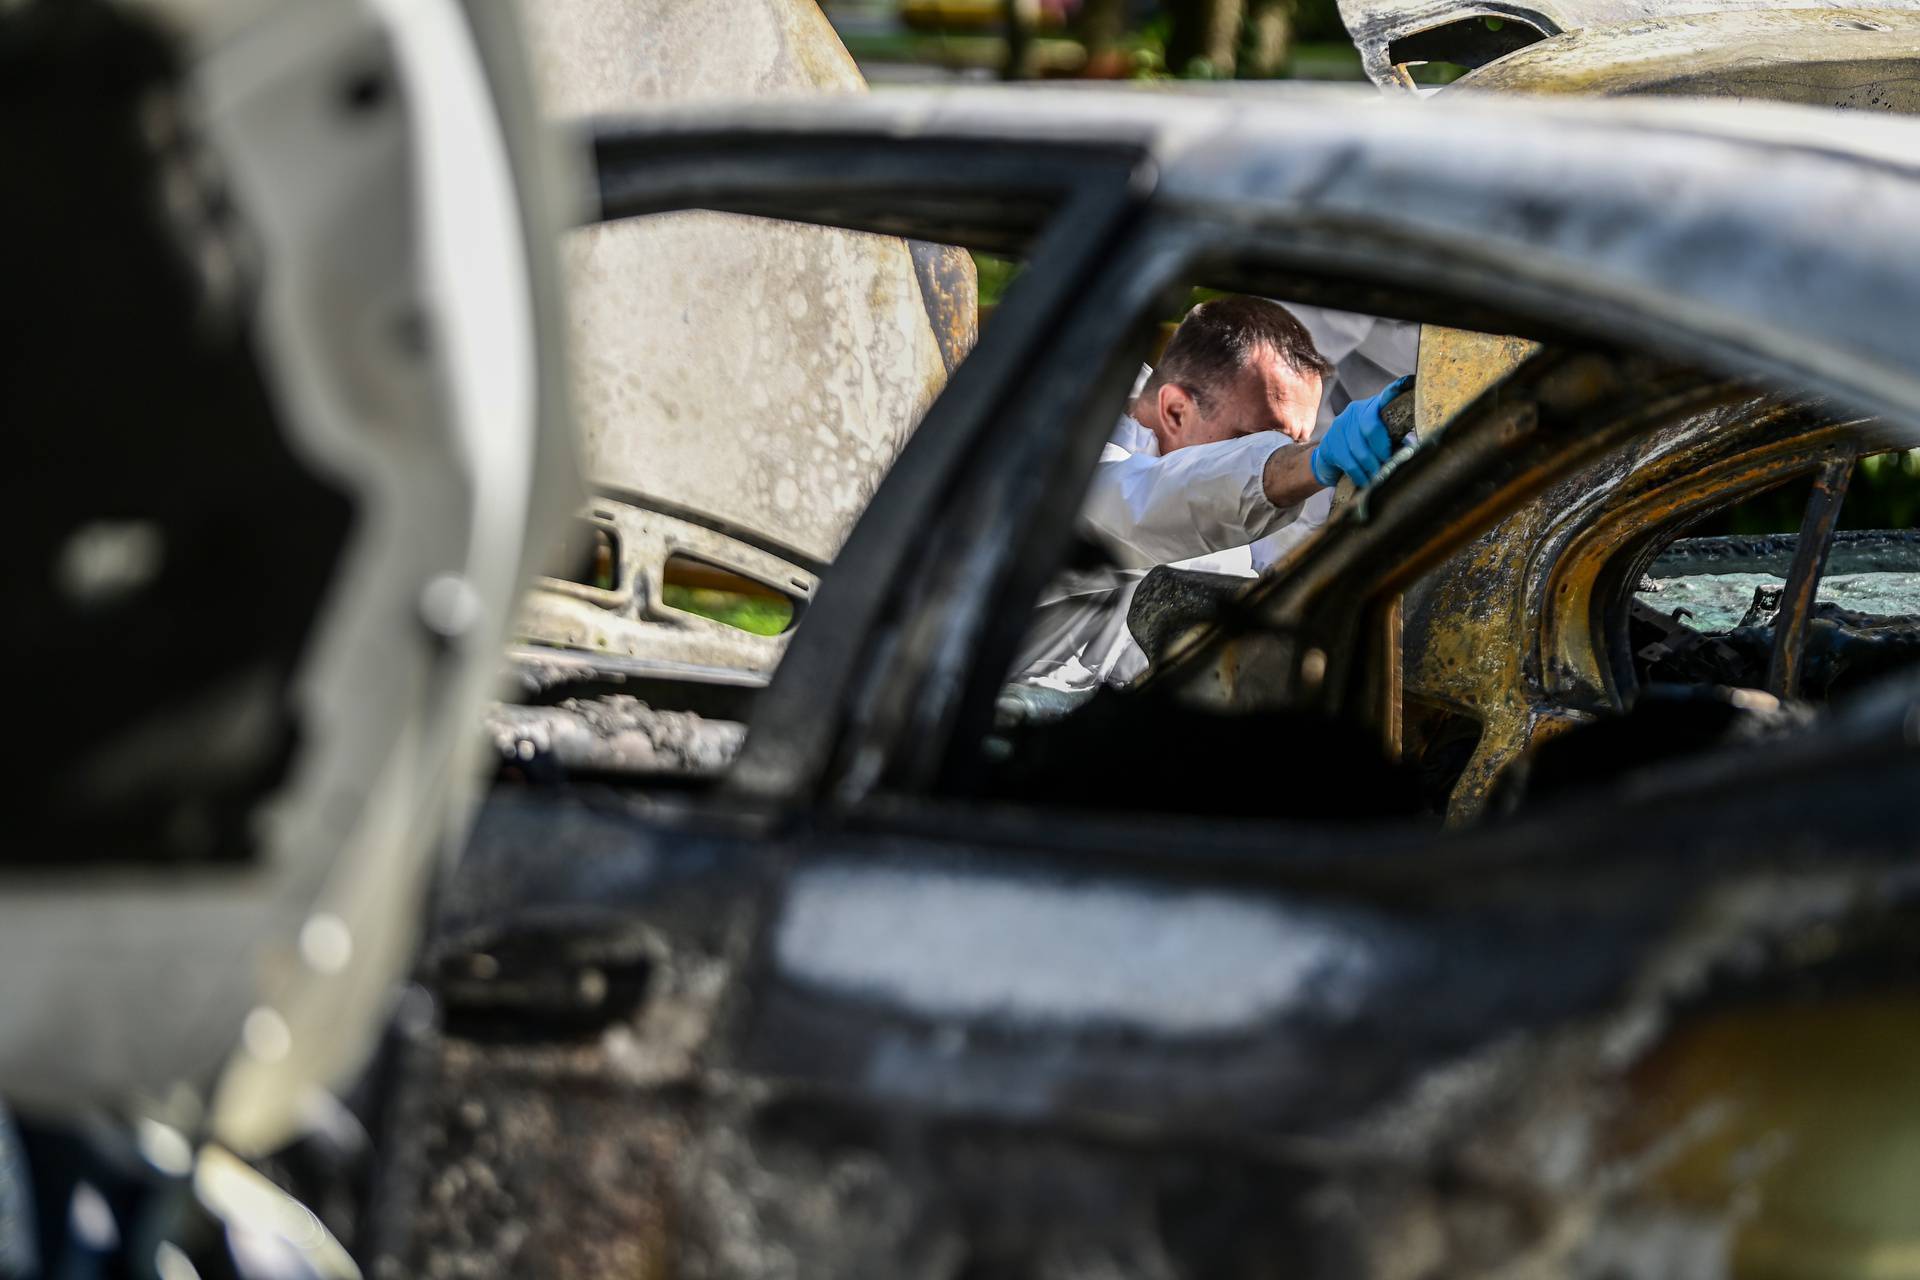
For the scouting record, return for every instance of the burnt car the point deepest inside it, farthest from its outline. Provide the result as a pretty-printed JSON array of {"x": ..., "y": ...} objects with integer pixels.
[
  {"x": 1527, "y": 634},
  {"x": 1824, "y": 54},
  {"x": 1195, "y": 980}
]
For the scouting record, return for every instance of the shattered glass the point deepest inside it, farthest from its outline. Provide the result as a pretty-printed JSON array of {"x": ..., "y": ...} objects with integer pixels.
[{"x": 1717, "y": 601}]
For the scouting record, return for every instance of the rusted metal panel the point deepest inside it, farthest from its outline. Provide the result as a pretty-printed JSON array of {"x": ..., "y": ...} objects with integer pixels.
[
  {"x": 1558, "y": 411},
  {"x": 1513, "y": 629},
  {"x": 949, "y": 286},
  {"x": 1456, "y": 365},
  {"x": 1803, "y": 576},
  {"x": 1549, "y": 644}
]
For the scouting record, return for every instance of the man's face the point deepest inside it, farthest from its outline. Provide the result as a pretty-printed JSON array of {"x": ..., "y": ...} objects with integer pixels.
[{"x": 1268, "y": 396}]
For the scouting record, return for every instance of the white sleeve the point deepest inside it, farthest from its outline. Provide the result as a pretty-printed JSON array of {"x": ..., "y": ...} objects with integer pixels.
[
  {"x": 1148, "y": 510},
  {"x": 1314, "y": 514}
]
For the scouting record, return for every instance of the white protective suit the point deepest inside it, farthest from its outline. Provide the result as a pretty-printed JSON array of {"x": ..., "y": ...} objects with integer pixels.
[{"x": 1202, "y": 507}]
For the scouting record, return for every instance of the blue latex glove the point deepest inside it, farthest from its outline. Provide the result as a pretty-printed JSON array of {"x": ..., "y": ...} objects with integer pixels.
[{"x": 1356, "y": 442}]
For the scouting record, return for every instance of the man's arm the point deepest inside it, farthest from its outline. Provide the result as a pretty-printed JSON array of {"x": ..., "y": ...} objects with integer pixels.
[
  {"x": 1288, "y": 478},
  {"x": 1357, "y": 445}
]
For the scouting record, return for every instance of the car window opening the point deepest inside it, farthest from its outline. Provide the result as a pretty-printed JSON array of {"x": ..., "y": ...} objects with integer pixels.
[
  {"x": 1469, "y": 750},
  {"x": 590, "y": 556},
  {"x": 1067, "y": 722},
  {"x": 1709, "y": 607},
  {"x": 1392, "y": 736},
  {"x": 723, "y": 596}
]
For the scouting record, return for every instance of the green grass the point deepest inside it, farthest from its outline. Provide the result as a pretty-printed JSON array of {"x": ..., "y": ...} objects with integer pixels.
[
  {"x": 755, "y": 614},
  {"x": 996, "y": 276},
  {"x": 961, "y": 52},
  {"x": 1325, "y": 60}
]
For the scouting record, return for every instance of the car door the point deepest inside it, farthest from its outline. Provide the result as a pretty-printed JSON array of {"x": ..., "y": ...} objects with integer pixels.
[{"x": 1097, "y": 1026}]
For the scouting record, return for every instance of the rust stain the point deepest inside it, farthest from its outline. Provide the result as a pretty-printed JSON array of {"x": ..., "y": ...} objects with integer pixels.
[
  {"x": 1807, "y": 1138},
  {"x": 1510, "y": 629},
  {"x": 949, "y": 289},
  {"x": 1456, "y": 366}
]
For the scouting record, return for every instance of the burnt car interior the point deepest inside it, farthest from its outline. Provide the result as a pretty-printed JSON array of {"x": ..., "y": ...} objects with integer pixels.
[
  {"x": 1536, "y": 518},
  {"x": 1651, "y": 689},
  {"x": 1015, "y": 963},
  {"x": 1622, "y": 685}
]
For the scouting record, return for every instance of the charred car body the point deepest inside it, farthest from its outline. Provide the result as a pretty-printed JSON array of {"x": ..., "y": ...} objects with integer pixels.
[
  {"x": 907, "y": 991},
  {"x": 1535, "y": 629}
]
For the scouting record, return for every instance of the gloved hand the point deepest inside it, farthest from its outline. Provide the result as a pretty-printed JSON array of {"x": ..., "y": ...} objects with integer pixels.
[{"x": 1356, "y": 442}]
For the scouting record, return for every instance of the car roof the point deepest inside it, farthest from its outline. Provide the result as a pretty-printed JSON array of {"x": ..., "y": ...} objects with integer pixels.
[
  {"x": 1772, "y": 241},
  {"x": 1164, "y": 115}
]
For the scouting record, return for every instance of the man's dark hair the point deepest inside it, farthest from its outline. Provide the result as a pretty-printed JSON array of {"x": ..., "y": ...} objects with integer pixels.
[{"x": 1221, "y": 336}]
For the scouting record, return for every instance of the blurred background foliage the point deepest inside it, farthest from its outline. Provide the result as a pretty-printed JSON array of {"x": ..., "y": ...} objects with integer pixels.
[
  {"x": 917, "y": 40},
  {"x": 747, "y": 612},
  {"x": 1883, "y": 494}
]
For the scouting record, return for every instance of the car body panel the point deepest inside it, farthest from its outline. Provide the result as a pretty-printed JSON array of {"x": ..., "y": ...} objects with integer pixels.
[
  {"x": 1563, "y": 621},
  {"x": 1855, "y": 58},
  {"x": 883, "y": 1030},
  {"x": 631, "y": 619},
  {"x": 1391, "y": 34},
  {"x": 730, "y": 374},
  {"x": 1519, "y": 629}
]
